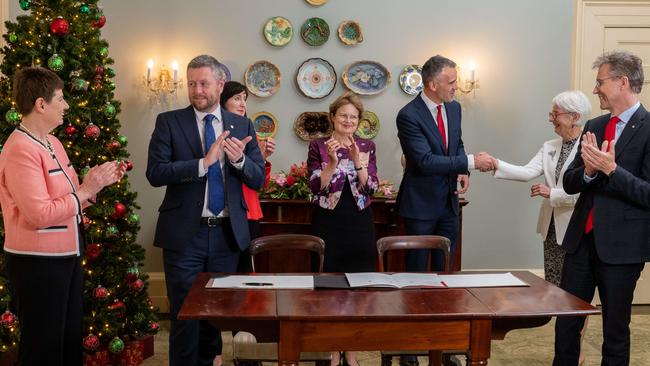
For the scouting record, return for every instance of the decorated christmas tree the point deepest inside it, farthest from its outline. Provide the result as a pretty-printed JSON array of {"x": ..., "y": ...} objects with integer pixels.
[{"x": 65, "y": 36}]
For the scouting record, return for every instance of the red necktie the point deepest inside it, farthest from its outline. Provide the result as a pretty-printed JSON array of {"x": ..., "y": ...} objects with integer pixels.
[
  {"x": 441, "y": 127},
  {"x": 610, "y": 133}
]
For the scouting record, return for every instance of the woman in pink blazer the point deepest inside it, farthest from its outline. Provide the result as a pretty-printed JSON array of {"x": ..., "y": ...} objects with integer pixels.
[{"x": 42, "y": 204}]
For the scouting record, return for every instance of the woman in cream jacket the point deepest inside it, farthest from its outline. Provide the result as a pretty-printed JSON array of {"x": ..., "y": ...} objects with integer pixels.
[{"x": 570, "y": 110}]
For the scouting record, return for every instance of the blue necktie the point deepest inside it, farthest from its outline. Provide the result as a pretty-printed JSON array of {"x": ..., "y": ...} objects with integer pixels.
[{"x": 216, "y": 201}]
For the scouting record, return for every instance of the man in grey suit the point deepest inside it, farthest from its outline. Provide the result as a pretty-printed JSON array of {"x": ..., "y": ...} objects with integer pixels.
[
  {"x": 608, "y": 239},
  {"x": 202, "y": 154}
]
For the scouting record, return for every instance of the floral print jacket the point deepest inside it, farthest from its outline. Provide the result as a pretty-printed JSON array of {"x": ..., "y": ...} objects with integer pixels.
[{"x": 329, "y": 197}]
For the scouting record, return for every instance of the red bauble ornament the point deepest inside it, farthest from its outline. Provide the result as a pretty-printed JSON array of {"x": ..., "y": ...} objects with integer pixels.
[
  {"x": 93, "y": 250},
  {"x": 119, "y": 210},
  {"x": 153, "y": 326},
  {"x": 99, "y": 23},
  {"x": 99, "y": 70},
  {"x": 129, "y": 165},
  {"x": 70, "y": 130},
  {"x": 91, "y": 342},
  {"x": 117, "y": 305},
  {"x": 8, "y": 319},
  {"x": 137, "y": 285},
  {"x": 91, "y": 131},
  {"x": 113, "y": 145},
  {"x": 100, "y": 292},
  {"x": 59, "y": 27}
]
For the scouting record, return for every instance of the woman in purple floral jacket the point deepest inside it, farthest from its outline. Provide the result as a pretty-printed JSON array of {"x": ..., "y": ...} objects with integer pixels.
[{"x": 343, "y": 177}]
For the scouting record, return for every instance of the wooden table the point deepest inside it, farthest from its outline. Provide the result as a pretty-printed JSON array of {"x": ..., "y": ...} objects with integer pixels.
[{"x": 374, "y": 319}]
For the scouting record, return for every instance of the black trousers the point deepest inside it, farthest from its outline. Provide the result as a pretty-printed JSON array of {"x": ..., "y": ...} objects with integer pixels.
[
  {"x": 48, "y": 298},
  {"x": 582, "y": 273}
]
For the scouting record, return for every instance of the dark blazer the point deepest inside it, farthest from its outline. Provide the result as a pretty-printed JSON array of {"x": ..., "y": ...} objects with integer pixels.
[
  {"x": 621, "y": 203},
  {"x": 174, "y": 152},
  {"x": 430, "y": 175}
]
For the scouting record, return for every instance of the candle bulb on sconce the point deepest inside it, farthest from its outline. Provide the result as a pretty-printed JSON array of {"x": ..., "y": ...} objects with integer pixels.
[
  {"x": 472, "y": 71},
  {"x": 470, "y": 84},
  {"x": 162, "y": 84}
]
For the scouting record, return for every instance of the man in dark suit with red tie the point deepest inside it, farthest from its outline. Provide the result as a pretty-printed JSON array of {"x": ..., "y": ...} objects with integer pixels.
[
  {"x": 430, "y": 135},
  {"x": 608, "y": 239},
  {"x": 202, "y": 154}
]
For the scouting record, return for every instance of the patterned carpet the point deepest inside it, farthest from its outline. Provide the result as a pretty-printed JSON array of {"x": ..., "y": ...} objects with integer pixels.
[{"x": 530, "y": 347}]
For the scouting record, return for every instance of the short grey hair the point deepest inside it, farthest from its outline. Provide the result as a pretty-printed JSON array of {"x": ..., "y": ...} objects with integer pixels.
[
  {"x": 623, "y": 63},
  {"x": 574, "y": 101},
  {"x": 208, "y": 61},
  {"x": 434, "y": 66}
]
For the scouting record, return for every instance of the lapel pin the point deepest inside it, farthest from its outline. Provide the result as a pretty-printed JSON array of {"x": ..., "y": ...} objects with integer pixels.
[{"x": 231, "y": 126}]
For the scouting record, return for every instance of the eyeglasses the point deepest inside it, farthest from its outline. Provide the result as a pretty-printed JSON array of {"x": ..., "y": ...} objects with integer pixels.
[
  {"x": 349, "y": 117},
  {"x": 599, "y": 82},
  {"x": 553, "y": 115}
]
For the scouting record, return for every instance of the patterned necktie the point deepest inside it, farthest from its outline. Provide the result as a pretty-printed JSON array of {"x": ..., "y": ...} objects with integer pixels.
[
  {"x": 610, "y": 133},
  {"x": 441, "y": 127},
  {"x": 216, "y": 201}
]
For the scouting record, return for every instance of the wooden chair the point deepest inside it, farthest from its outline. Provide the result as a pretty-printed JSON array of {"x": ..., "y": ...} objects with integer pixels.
[
  {"x": 246, "y": 350},
  {"x": 407, "y": 242}
]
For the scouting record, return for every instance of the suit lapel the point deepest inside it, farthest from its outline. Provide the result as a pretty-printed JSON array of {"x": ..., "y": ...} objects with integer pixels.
[
  {"x": 189, "y": 128},
  {"x": 633, "y": 125},
  {"x": 429, "y": 123}
]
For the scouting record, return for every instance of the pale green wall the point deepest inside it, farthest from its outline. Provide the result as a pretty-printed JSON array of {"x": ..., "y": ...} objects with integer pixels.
[{"x": 522, "y": 50}]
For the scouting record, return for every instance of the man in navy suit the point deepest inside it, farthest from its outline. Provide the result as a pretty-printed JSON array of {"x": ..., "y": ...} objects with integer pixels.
[
  {"x": 430, "y": 135},
  {"x": 608, "y": 239},
  {"x": 203, "y": 154}
]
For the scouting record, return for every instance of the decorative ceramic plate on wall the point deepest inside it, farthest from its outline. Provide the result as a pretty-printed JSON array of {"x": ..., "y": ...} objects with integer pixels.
[
  {"x": 226, "y": 72},
  {"x": 350, "y": 32},
  {"x": 262, "y": 78},
  {"x": 316, "y": 78},
  {"x": 368, "y": 125},
  {"x": 266, "y": 125},
  {"x": 410, "y": 79},
  {"x": 316, "y": 2},
  {"x": 315, "y": 31},
  {"x": 366, "y": 77},
  {"x": 312, "y": 125},
  {"x": 278, "y": 31}
]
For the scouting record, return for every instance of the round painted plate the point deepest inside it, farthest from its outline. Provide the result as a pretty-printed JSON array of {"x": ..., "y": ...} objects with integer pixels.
[
  {"x": 316, "y": 2},
  {"x": 350, "y": 32},
  {"x": 278, "y": 31},
  {"x": 366, "y": 77},
  {"x": 312, "y": 125},
  {"x": 316, "y": 78},
  {"x": 262, "y": 78},
  {"x": 410, "y": 79},
  {"x": 368, "y": 125},
  {"x": 315, "y": 31},
  {"x": 225, "y": 71},
  {"x": 266, "y": 125}
]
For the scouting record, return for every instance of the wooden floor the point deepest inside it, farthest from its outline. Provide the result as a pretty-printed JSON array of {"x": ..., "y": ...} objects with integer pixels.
[{"x": 530, "y": 347}]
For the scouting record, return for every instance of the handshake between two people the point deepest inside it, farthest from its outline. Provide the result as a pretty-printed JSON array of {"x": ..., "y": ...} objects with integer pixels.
[{"x": 485, "y": 162}]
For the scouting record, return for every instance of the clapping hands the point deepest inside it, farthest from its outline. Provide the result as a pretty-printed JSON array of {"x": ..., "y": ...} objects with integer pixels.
[{"x": 596, "y": 159}]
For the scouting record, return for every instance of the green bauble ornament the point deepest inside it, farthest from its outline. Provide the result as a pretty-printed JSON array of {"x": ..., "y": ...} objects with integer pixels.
[
  {"x": 108, "y": 110},
  {"x": 112, "y": 230},
  {"x": 55, "y": 63},
  {"x": 132, "y": 273},
  {"x": 116, "y": 345},
  {"x": 133, "y": 218},
  {"x": 110, "y": 72},
  {"x": 79, "y": 84},
  {"x": 122, "y": 140},
  {"x": 12, "y": 116},
  {"x": 25, "y": 4},
  {"x": 84, "y": 8},
  {"x": 103, "y": 51},
  {"x": 12, "y": 37},
  {"x": 84, "y": 171},
  {"x": 111, "y": 85}
]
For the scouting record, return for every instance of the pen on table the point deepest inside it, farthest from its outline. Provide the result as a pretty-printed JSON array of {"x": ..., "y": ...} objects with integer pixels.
[{"x": 258, "y": 284}]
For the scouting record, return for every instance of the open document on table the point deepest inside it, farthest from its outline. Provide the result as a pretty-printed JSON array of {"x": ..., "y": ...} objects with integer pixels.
[
  {"x": 482, "y": 280},
  {"x": 394, "y": 280},
  {"x": 262, "y": 282}
]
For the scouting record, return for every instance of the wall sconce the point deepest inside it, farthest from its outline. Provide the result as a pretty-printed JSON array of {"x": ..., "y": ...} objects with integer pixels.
[
  {"x": 163, "y": 85},
  {"x": 469, "y": 85}
]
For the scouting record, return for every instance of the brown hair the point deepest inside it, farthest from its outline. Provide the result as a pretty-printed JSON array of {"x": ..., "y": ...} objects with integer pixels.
[
  {"x": 32, "y": 83},
  {"x": 346, "y": 98}
]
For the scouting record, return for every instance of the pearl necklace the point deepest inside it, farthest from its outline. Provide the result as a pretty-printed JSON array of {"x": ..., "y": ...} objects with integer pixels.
[{"x": 45, "y": 142}]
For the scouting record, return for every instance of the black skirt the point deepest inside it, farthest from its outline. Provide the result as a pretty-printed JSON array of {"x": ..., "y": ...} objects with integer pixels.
[{"x": 349, "y": 235}]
